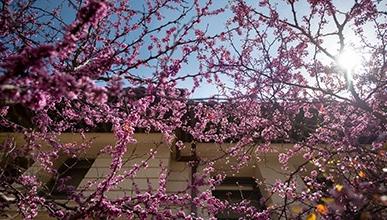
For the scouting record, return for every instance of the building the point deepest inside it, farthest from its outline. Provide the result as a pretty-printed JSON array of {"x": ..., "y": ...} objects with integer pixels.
[
  {"x": 182, "y": 165},
  {"x": 92, "y": 166}
]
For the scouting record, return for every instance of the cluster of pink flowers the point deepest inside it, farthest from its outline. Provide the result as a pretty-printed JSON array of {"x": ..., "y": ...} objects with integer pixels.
[{"x": 120, "y": 65}]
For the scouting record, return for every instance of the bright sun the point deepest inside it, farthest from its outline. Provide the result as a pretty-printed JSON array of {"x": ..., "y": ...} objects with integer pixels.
[{"x": 349, "y": 60}]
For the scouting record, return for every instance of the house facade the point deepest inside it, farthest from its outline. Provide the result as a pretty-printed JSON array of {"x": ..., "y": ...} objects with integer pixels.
[{"x": 92, "y": 166}]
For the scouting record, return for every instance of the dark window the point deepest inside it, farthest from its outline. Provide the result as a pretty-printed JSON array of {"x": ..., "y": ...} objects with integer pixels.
[
  {"x": 69, "y": 176},
  {"x": 14, "y": 168},
  {"x": 234, "y": 190}
]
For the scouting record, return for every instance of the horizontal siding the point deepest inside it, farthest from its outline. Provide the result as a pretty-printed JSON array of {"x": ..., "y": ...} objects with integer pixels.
[
  {"x": 179, "y": 176},
  {"x": 106, "y": 162},
  {"x": 98, "y": 172},
  {"x": 136, "y": 154}
]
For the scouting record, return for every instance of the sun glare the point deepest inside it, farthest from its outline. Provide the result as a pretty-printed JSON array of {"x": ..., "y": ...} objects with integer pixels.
[{"x": 349, "y": 60}]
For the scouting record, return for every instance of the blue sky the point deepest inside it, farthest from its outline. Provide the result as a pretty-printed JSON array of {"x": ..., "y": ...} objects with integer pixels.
[{"x": 215, "y": 25}]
